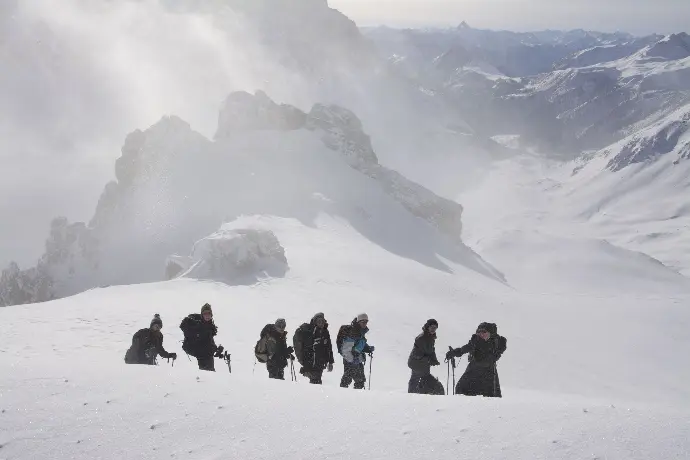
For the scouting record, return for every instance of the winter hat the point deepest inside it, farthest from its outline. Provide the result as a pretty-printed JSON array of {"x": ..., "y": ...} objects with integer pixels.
[
  {"x": 157, "y": 320},
  {"x": 362, "y": 317},
  {"x": 485, "y": 327},
  {"x": 318, "y": 315},
  {"x": 280, "y": 323},
  {"x": 429, "y": 323},
  {"x": 206, "y": 307}
]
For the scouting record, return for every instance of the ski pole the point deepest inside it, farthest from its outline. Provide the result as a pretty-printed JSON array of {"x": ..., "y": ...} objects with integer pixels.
[
  {"x": 452, "y": 364},
  {"x": 447, "y": 375},
  {"x": 371, "y": 360}
]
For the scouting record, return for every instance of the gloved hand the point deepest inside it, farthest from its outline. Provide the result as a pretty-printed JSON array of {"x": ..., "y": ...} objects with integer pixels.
[
  {"x": 370, "y": 349},
  {"x": 219, "y": 350},
  {"x": 330, "y": 367},
  {"x": 290, "y": 350},
  {"x": 172, "y": 355},
  {"x": 450, "y": 355}
]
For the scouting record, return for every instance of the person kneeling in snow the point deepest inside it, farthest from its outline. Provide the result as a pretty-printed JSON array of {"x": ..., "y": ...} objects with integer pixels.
[
  {"x": 314, "y": 348},
  {"x": 353, "y": 347},
  {"x": 199, "y": 330},
  {"x": 422, "y": 357},
  {"x": 147, "y": 344},
  {"x": 272, "y": 349},
  {"x": 485, "y": 349}
]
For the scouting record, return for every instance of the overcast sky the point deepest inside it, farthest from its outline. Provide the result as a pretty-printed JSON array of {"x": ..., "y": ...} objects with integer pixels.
[{"x": 636, "y": 16}]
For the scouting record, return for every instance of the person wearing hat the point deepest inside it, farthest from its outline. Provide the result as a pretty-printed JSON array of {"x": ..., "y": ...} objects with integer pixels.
[
  {"x": 147, "y": 344},
  {"x": 313, "y": 348},
  {"x": 484, "y": 349},
  {"x": 353, "y": 347},
  {"x": 423, "y": 356},
  {"x": 277, "y": 349},
  {"x": 199, "y": 332}
]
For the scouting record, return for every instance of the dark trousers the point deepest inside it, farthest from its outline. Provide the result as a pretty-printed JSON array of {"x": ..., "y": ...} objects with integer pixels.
[
  {"x": 275, "y": 372},
  {"x": 353, "y": 372},
  {"x": 413, "y": 384},
  {"x": 314, "y": 376},
  {"x": 206, "y": 363}
]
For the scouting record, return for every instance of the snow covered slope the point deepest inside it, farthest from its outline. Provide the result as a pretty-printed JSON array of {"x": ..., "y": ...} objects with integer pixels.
[
  {"x": 583, "y": 376},
  {"x": 631, "y": 196}
]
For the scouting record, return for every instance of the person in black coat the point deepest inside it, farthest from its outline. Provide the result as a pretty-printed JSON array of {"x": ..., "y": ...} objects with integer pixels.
[
  {"x": 313, "y": 348},
  {"x": 422, "y": 356},
  {"x": 147, "y": 344},
  {"x": 484, "y": 349},
  {"x": 199, "y": 331},
  {"x": 277, "y": 349}
]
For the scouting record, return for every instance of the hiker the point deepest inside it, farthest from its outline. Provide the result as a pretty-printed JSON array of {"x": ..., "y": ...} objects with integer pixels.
[
  {"x": 147, "y": 344},
  {"x": 352, "y": 345},
  {"x": 273, "y": 349},
  {"x": 199, "y": 330},
  {"x": 484, "y": 349},
  {"x": 313, "y": 348},
  {"x": 422, "y": 357}
]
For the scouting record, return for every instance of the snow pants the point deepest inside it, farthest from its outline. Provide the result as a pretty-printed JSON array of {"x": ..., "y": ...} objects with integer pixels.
[{"x": 353, "y": 372}]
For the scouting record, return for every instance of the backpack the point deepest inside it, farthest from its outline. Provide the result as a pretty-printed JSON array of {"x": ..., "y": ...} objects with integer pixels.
[
  {"x": 298, "y": 343},
  {"x": 343, "y": 332},
  {"x": 261, "y": 349}
]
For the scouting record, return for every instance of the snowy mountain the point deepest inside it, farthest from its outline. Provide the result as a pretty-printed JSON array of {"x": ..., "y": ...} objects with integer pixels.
[
  {"x": 174, "y": 187},
  {"x": 514, "y": 54},
  {"x": 599, "y": 90},
  {"x": 129, "y": 62},
  {"x": 266, "y": 210}
]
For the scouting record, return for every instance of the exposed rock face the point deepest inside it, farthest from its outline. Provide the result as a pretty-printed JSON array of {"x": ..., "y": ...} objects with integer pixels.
[
  {"x": 671, "y": 134},
  {"x": 243, "y": 111}
]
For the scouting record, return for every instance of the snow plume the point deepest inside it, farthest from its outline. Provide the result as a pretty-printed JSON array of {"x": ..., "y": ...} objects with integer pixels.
[{"x": 77, "y": 78}]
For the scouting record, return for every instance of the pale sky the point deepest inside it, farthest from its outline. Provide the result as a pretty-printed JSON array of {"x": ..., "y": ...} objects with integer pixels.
[{"x": 635, "y": 16}]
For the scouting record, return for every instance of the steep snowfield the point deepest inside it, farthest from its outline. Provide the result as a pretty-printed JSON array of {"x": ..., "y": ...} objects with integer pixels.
[{"x": 584, "y": 376}]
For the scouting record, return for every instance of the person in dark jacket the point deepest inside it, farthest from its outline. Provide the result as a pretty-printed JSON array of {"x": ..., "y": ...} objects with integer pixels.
[
  {"x": 423, "y": 355},
  {"x": 353, "y": 349},
  {"x": 199, "y": 330},
  {"x": 484, "y": 349},
  {"x": 277, "y": 349},
  {"x": 147, "y": 344},
  {"x": 313, "y": 348}
]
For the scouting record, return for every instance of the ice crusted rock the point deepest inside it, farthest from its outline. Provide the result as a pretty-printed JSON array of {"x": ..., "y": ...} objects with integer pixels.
[
  {"x": 24, "y": 286},
  {"x": 243, "y": 111},
  {"x": 342, "y": 131},
  {"x": 233, "y": 256}
]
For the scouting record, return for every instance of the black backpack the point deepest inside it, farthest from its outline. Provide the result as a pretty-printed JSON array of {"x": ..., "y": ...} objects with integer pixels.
[
  {"x": 298, "y": 342},
  {"x": 343, "y": 332}
]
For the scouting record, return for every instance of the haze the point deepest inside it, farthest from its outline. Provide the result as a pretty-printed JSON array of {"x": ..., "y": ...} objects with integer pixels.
[{"x": 635, "y": 16}]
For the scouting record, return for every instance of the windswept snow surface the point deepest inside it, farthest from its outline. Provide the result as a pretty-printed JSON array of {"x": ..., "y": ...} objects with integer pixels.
[{"x": 589, "y": 376}]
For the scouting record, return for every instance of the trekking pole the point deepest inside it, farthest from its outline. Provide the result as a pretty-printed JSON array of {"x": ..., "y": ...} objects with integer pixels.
[
  {"x": 447, "y": 375},
  {"x": 228, "y": 360},
  {"x": 292, "y": 369},
  {"x": 371, "y": 360},
  {"x": 452, "y": 364}
]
